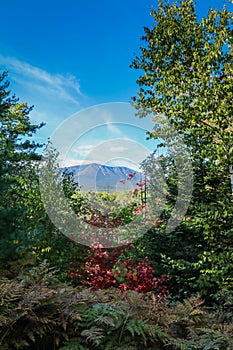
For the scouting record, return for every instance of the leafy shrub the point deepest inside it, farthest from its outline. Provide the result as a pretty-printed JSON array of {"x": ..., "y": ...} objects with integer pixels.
[{"x": 105, "y": 269}]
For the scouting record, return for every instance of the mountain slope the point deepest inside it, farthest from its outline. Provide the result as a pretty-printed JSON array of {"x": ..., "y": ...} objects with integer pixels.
[{"x": 99, "y": 177}]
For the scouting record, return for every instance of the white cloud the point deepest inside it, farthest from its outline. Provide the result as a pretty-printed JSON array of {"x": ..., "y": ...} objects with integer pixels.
[
  {"x": 83, "y": 150},
  {"x": 66, "y": 86}
]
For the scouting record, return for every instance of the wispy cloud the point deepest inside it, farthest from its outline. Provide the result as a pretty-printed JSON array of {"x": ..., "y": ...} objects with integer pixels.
[
  {"x": 66, "y": 86},
  {"x": 83, "y": 150},
  {"x": 112, "y": 127}
]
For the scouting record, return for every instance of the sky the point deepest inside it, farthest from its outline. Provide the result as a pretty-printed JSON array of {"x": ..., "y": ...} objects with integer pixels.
[{"x": 70, "y": 59}]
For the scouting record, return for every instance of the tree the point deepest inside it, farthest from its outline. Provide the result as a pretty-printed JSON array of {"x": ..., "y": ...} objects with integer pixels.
[
  {"x": 17, "y": 153},
  {"x": 186, "y": 81},
  {"x": 57, "y": 189}
]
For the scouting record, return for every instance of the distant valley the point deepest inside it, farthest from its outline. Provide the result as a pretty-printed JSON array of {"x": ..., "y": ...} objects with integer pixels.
[{"x": 97, "y": 177}]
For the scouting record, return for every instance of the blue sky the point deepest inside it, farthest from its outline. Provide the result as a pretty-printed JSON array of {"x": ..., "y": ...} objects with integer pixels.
[{"x": 66, "y": 56}]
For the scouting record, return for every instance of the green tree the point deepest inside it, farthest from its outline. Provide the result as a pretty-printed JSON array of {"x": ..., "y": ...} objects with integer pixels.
[
  {"x": 17, "y": 152},
  {"x": 25, "y": 227},
  {"x": 56, "y": 198},
  {"x": 186, "y": 81}
]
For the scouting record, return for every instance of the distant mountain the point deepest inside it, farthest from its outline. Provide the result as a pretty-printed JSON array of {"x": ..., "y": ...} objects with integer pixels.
[{"x": 100, "y": 178}]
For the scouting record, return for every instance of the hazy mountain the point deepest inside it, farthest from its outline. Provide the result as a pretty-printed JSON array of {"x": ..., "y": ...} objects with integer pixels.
[{"x": 99, "y": 177}]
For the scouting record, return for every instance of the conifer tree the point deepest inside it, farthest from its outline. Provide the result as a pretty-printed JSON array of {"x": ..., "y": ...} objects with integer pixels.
[{"x": 17, "y": 152}]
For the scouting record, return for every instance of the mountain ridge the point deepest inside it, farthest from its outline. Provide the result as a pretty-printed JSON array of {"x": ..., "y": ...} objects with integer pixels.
[{"x": 99, "y": 177}]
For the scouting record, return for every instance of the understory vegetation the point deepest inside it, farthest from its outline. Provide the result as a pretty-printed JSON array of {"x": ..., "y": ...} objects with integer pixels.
[
  {"x": 39, "y": 312},
  {"x": 165, "y": 289}
]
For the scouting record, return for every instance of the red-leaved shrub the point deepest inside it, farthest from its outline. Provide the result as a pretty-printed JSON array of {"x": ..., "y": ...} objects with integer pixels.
[{"x": 104, "y": 269}]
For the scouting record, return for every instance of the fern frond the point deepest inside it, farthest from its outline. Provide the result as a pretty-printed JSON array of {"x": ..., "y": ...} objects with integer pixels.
[
  {"x": 180, "y": 344},
  {"x": 137, "y": 327},
  {"x": 93, "y": 335},
  {"x": 157, "y": 333}
]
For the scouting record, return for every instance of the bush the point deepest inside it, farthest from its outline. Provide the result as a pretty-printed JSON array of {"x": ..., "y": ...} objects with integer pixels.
[
  {"x": 104, "y": 269},
  {"x": 38, "y": 313}
]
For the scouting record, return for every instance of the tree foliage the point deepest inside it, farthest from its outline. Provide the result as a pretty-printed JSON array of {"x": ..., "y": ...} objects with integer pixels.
[
  {"x": 17, "y": 152},
  {"x": 186, "y": 82},
  {"x": 25, "y": 228}
]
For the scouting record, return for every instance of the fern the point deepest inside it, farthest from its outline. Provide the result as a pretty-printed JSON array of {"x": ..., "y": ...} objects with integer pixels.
[
  {"x": 137, "y": 327},
  {"x": 111, "y": 316},
  {"x": 212, "y": 339},
  {"x": 29, "y": 311},
  {"x": 180, "y": 344},
  {"x": 157, "y": 333},
  {"x": 94, "y": 335},
  {"x": 74, "y": 344},
  {"x": 38, "y": 313}
]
